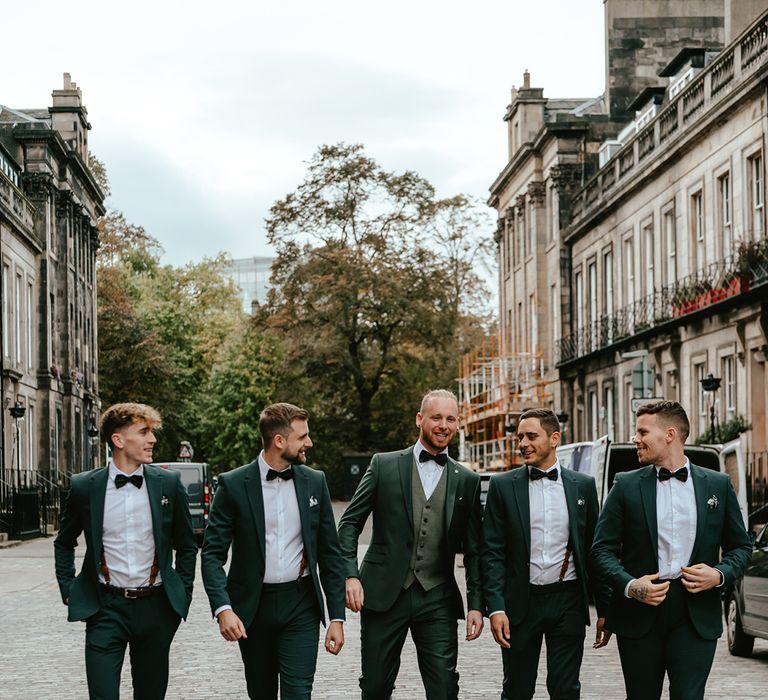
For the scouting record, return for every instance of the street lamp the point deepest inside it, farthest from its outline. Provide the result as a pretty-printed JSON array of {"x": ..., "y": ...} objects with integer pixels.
[
  {"x": 17, "y": 413},
  {"x": 711, "y": 384},
  {"x": 562, "y": 417}
]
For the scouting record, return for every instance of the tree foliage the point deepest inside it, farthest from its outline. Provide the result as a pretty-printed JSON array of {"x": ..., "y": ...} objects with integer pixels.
[{"x": 375, "y": 291}]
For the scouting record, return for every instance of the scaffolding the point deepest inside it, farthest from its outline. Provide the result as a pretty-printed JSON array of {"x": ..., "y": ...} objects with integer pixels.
[{"x": 495, "y": 387}]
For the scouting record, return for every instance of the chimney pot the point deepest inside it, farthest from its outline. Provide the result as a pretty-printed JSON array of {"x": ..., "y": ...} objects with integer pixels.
[
  {"x": 67, "y": 81},
  {"x": 526, "y": 80}
]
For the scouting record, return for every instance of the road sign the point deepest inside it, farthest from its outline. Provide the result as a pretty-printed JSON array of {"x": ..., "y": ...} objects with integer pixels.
[
  {"x": 636, "y": 403},
  {"x": 186, "y": 451}
]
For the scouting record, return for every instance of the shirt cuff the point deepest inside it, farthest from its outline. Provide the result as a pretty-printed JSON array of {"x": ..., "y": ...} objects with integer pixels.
[
  {"x": 338, "y": 620},
  {"x": 495, "y": 612},
  {"x": 626, "y": 590},
  {"x": 221, "y": 610},
  {"x": 722, "y": 578}
]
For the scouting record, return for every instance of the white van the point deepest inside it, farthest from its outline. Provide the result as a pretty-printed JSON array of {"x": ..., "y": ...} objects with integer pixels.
[{"x": 604, "y": 459}]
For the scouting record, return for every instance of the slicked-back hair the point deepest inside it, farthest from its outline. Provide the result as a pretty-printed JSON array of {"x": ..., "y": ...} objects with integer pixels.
[
  {"x": 276, "y": 419},
  {"x": 121, "y": 415},
  {"x": 669, "y": 413},
  {"x": 437, "y": 394},
  {"x": 547, "y": 418}
]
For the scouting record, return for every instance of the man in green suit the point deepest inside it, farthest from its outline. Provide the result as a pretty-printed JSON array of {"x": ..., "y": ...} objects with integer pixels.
[
  {"x": 277, "y": 515},
  {"x": 129, "y": 592},
  {"x": 426, "y": 508},
  {"x": 658, "y": 544},
  {"x": 538, "y": 527}
]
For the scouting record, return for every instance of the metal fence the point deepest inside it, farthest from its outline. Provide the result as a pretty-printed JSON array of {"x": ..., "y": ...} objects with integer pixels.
[
  {"x": 30, "y": 502},
  {"x": 757, "y": 487}
]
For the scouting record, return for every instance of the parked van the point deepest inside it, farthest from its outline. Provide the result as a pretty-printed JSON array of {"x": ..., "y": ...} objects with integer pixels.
[
  {"x": 603, "y": 459},
  {"x": 196, "y": 477}
]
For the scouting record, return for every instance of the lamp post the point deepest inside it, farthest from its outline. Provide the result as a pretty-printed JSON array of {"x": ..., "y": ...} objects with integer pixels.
[
  {"x": 711, "y": 384},
  {"x": 17, "y": 413}
]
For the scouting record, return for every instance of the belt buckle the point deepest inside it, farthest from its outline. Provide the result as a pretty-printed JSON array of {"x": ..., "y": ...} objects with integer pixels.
[{"x": 131, "y": 593}]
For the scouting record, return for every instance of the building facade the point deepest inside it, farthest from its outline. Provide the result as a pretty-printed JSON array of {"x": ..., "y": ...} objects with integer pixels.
[
  {"x": 251, "y": 275},
  {"x": 632, "y": 243},
  {"x": 49, "y": 205}
]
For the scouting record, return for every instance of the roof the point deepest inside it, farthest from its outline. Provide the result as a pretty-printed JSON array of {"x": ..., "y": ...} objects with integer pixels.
[
  {"x": 14, "y": 116},
  {"x": 646, "y": 95},
  {"x": 684, "y": 56}
]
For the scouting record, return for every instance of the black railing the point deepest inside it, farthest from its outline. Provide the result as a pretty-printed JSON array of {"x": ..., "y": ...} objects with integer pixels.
[
  {"x": 757, "y": 487},
  {"x": 735, "y": 275},
  {"x": 30, "y": 502}
]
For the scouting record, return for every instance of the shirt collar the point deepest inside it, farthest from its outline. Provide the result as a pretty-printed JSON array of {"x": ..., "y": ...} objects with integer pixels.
[
  {"x": 114, "y": 471},
  {"x": 419, "y": 447},
  {"x": 264, "y": 466}
]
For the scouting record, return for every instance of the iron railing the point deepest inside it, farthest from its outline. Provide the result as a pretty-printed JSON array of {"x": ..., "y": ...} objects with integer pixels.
[
  {"x": 30, "y": 502},
  {"x": 735, "y": 275},
  {"x": 757, "y": 487}
]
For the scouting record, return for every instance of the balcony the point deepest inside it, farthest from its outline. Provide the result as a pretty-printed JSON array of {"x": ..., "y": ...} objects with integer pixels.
[{"x": 725, "y": 280}]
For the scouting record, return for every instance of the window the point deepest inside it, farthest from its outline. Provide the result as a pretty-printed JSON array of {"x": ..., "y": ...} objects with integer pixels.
[
  {"x": 554, "y": 311},
  {"x": 650, "y": 258},
  {"x": 729, "y": 387},
  {"x": 30, "y": 327},
  {"x": 30, "y": 429},
  {"x": 670, "y": 240},
  {"x": 507, "y": 241},
  {"x": 532, "y": 228},
  {"x": 593, "y": 415},
  {"x": 756, "y": 196},
  {"x": 554, "y": 214},
  {"x": 592, "y": 271},
  {"x": 697, "y": 230},
  {"x": 610, "y": 417},
  {"x": 534, "y": 323},
  {"x": 17, "y": 323},
  {"x": 699, "y": 372},
  {"x": 6, "y": 311},
  {"x": 724, "y": 213},
  {"x": 608, "y": 292},
  {"x": 629, "y": 271},
  {"x": 519, "y": 326},
  {"x": 579, "y": 286}
]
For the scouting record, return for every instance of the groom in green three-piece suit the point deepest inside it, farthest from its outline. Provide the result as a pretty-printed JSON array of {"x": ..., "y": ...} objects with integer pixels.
[
  {"x": 426, "y": 508},
  {"x": 129, "y": 591},
  {"x": 538, "y": 526},
  {"x": 276, "y": 514},
  {"x": 658, "y": 544}
]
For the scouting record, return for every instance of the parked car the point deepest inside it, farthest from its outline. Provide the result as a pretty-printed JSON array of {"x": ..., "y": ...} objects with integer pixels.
[
  {"x": 604, "y": 459},
  {"x": 746, "y": 605},
  {"x": 197, "y": 479}
]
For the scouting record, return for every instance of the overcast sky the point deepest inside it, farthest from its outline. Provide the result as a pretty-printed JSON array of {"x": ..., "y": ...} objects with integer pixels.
[{"x": 205, "y": 113}]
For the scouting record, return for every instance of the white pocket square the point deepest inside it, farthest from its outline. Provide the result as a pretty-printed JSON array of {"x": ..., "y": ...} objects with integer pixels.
[{"x": 312, "y": 501}]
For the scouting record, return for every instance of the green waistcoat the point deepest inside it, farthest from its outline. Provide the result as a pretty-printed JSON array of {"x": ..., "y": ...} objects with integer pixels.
[{"x": 429, "y": 556}]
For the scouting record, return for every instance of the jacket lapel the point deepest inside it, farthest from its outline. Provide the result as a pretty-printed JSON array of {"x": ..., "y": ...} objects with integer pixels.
[
  {"x": 520, "y": 488},
  {"x": 648, "y": 496},
  {"x": 301, "y": 484},
  {"x": 154, "y": 486},
  {"x": 700, "y": 483},
  {"x": 451, "y": 484},
  {"x": 97, "y": 493},
  {"x": 571, "y": 489},
  {"x": 405, "y": 467},
  {"x": 252, "y": 483}
]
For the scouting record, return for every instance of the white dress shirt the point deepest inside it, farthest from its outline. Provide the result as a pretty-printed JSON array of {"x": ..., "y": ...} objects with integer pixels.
[
  {"x": 549, "y": 530},
  {"x": 127, "y": 537},
  {"x": 676, "y": 524},
  {"x": 429, "y": 471}
]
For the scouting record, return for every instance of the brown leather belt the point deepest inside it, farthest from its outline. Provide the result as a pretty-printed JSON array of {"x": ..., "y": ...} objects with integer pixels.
[{"x": 132, "y": 593}]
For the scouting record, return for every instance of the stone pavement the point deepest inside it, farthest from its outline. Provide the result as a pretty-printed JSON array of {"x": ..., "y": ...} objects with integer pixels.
[{"x": 41, "y": 654}]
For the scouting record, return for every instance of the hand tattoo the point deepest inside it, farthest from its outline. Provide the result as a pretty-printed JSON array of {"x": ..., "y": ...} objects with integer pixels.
[{"x": 638, "y": 592}]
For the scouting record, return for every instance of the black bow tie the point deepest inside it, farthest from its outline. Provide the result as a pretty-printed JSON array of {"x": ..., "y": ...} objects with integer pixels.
[
  {"x": 121, "y": 480},
  {"x": 537, "y": 474},
  {"x": 441, "y": 459},
  {"x": 285, "y": 474},
  {"x": 666, "y": 475}
]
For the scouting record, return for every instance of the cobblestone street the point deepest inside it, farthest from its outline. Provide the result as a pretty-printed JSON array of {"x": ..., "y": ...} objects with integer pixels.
[{"x": 42, "y": 654}]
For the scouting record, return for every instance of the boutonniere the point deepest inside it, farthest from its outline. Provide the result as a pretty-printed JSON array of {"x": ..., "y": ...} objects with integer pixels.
[
  {"x": 312, "y": 501},
  {"x": 713, "y": 503},
  {"x": 580, "y": 503},
  {"x": 164, "y": 501}
]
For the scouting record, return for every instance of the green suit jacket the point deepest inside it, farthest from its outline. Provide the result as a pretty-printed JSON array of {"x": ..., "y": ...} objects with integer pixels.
[
  {"x": 84, "y": 513},
  {"x": 507, "y": 540},
  {"x": 237, "y": 519},
  {"x": 626, "y": 546},
  {"x": 385, "y": 490}
]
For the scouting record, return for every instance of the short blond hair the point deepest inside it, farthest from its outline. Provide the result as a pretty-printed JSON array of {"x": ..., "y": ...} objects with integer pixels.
[
  {"x": 122, "y": 414},
  {"x": 437, "y": 394}
]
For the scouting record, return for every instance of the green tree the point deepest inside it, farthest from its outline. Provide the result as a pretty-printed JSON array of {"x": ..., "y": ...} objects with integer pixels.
[{"x": 366, "y": 296}]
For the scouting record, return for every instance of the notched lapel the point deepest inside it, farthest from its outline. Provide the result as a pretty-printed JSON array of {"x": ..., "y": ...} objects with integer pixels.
[
  {"x": 648, "y": 497},
  {"x": 256, "y": 500},
  {"x": 154, "y": 487},
  {"x": 701, "y": 491},
  {"x": 451, "y": 484},
  {"x": 520, "y": 488},
  {"x": 406, "y": 467},
  {"x": 571, "y": 489},
  {"x": 301, "y": 484},
  {"x": 97, "y": 492}
]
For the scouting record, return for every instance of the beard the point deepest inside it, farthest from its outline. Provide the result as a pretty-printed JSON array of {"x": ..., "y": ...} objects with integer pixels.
[{"x": 292, "y": 457}]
